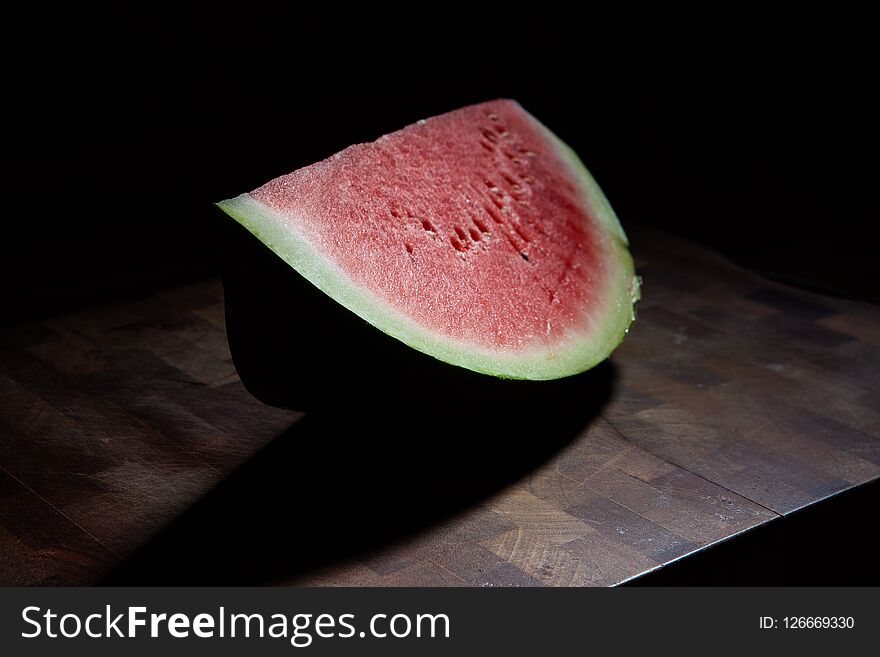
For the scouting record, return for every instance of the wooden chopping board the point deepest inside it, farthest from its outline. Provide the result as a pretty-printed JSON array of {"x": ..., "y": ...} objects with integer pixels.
[{"x": 735, "y": 401}]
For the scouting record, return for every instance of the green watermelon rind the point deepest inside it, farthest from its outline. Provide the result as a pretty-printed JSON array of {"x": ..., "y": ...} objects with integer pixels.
[{"x": 576, "y": 354}]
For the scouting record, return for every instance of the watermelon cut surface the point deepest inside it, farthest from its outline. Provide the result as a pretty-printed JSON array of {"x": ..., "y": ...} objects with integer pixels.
[{"x": 476, "y": 237}]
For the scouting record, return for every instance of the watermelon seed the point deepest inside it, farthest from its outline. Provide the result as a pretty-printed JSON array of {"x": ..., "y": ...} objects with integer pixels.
[
  {"x": 524, "y": 255},
  {"x": 487, "y": 147},
  {"x": 479, "y": 224},
  {"x": 428, "y": 226},
  {"x": 460, "y": 232},
  {"x": 493, "y": 117},
  {"x": 457, "y": 244},
  {"x": 409, "y": 248},
  {"x": 422, "y": 122},
  {"x": 475, "y": 234},
  {"x": 490, "y": 136}
]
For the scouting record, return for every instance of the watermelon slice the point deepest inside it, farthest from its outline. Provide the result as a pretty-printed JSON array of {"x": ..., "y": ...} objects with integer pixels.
[{"x": 476, "y": 237}]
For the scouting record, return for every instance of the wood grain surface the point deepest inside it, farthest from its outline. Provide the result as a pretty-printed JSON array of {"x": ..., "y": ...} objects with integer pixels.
[{"x": 734, "y": 401}]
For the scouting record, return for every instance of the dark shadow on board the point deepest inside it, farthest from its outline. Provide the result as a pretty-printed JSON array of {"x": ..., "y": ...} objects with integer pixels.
[{"x": 342, "y": 482}]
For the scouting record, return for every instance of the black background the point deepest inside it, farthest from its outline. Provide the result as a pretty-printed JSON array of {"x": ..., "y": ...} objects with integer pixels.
[{"x": 756, "y": 135}]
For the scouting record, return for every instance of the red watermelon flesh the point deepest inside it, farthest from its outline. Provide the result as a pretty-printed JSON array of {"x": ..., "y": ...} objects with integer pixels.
[{"x": 475, "y": 236}]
